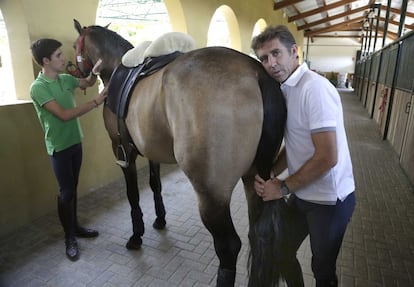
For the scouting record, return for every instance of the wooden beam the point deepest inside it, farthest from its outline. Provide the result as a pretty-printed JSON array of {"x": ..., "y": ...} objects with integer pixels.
[
  {"x": 397, "y": 11},
  {"x": 350, "y": 27},
  {"x": 319, "y": 10},
  {"x": 393, "y": 22},
  {"x": 336, "y": 36},
  {"x": 334, "y": 27},
  {"x": 322, "y": 21},
  {"x": 283, "y": 4},
  {"x": 391, "y": 35}
]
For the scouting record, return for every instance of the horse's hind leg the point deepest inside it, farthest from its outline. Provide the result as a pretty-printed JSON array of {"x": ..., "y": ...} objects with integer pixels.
[
  {"x": 216, "y": 216},
  {"x": 155, "y": 183}
]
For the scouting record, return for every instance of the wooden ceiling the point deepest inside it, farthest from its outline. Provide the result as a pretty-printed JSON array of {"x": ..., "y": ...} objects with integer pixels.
[{"x": 346, "y": 19}]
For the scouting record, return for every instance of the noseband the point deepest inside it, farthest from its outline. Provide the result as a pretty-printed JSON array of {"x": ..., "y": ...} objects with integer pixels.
[{"x": 83, "y": 65}]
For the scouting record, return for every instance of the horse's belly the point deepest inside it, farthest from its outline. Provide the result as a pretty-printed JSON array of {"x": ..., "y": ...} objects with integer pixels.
[
  {"x": 148, "y": 126},
  {"x": 156, "y": 150}
]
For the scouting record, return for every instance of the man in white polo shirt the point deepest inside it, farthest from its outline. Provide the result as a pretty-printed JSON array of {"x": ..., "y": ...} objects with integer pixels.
[{"x": 320, "y": 181}]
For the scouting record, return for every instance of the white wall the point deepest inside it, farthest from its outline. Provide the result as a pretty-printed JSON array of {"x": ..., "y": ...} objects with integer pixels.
[{"x": 332, "y": 54}]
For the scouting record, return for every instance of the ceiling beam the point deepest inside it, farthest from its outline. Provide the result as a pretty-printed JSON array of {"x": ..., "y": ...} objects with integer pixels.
[
  {"x": 334, "y": 27},
  {"x": 319, "y": 10},
  {"x": 398, "y": 11},
  {"x": 411, "y": 27},
  {"x": 336, "y": 36},
  {"x": 283, "y": 4},
  {"x": 350, "y": 27},
  {"x": 393, "y": 36},
  {"x": 337, "y": 16}
]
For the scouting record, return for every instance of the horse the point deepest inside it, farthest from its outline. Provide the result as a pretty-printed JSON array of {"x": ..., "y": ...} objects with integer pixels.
[{"x": 218, "y": 115}]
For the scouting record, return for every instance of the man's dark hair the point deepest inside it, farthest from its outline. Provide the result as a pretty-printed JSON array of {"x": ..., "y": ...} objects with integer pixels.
[
  {"x": 44, "y": 48},
  {"x": 280, "y": 32}
]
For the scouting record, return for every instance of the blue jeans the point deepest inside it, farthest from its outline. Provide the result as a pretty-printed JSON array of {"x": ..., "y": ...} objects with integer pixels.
[
  {"x": 325, "y": 225},
  {"x": 66, "y": 166}
]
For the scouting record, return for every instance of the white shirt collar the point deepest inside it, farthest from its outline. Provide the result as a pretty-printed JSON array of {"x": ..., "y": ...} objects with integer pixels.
[{"x": 295, "y": 76}]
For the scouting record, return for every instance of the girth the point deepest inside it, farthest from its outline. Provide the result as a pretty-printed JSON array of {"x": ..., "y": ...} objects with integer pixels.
[{"x": 121, "y": 84}]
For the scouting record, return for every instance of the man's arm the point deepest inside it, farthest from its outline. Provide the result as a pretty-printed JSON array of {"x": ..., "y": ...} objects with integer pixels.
[{"x": 324, "y": 158}]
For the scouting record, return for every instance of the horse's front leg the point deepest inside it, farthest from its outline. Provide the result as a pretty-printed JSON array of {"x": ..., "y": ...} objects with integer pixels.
[
  {"x": 155, "y": 183},
  {"x": 131, "y": 179},
  {"x": 216, "y": 216}
]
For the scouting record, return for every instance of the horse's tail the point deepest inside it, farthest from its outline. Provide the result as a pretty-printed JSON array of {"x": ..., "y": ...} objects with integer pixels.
[
  {"x": 274, "y": 119},
  {"x": 267, "y": 233}
]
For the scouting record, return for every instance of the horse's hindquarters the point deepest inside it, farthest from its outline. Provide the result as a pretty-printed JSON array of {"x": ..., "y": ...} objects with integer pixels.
[
  {"x": 204, "y": 111},
  {"x": 215, "y": 113}
]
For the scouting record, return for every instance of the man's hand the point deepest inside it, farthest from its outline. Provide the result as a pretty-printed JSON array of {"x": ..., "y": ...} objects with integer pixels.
[{"x": 267, "y": 190}]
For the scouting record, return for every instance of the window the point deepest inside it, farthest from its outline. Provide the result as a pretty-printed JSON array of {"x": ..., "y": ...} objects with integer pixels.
[
  {"x": 135, "y": 20},
  {"x": 7, "y": 90}
]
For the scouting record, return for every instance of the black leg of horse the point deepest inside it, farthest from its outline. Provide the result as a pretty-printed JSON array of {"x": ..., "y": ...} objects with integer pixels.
[
  {"x": 217, "y": 219},
  {"x": 131, "y": 179},
  {"x": 155, "y": 183}
]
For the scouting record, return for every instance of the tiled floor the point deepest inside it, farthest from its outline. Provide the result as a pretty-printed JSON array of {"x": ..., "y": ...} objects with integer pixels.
[{"x": 378, "y": 248}]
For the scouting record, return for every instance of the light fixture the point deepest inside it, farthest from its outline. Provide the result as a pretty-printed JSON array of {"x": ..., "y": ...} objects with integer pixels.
[{"x": 365, "y": 25}]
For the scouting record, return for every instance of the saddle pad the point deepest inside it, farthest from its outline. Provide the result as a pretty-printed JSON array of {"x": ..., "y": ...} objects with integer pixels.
[
  {"x": 135, "y": 56},
  {"x": 163, "y": 45}
]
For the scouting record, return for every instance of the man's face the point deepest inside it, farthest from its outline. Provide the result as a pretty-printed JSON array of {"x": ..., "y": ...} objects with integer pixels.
[
  {"x": 278, "y": 61},
  {"x": 57, "y": 61}
]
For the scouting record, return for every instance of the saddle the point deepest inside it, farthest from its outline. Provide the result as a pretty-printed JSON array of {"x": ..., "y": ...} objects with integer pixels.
[{"x": 124, "y": 79}]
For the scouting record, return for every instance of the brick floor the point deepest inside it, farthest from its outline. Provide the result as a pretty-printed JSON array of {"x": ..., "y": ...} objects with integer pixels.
[{"x": 378, "y": 248}]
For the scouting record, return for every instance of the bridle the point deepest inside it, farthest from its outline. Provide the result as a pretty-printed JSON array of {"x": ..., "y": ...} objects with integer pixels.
[{"x": 83, "y": 65}]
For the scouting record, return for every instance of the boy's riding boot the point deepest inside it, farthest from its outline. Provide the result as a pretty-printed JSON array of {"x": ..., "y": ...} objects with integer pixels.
[
  {"x": 79, "y": 230},
  {"x": 67, "y": 218}
]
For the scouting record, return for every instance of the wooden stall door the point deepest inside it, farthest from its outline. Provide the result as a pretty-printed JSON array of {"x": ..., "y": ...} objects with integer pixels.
[
  {"x": 407, "y": 154},
  {"x": 399, "y": 120},
  {"x": 370, "y": 97}
]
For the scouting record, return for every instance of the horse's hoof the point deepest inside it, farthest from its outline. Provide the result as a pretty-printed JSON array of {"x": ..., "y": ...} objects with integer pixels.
[
  {"x": 134, "y": 243},
  {"x": 159, "y": 223}
]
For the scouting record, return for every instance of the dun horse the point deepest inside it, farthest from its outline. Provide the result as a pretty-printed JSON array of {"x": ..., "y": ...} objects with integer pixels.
[{"x": 217, "y": 114}]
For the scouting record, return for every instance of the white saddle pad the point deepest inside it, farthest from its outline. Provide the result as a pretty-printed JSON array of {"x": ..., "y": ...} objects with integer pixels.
[{"x": 165, "y": 44}]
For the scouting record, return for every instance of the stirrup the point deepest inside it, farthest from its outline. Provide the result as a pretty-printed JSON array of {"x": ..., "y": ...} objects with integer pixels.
[{"x": 122, "y": 163}]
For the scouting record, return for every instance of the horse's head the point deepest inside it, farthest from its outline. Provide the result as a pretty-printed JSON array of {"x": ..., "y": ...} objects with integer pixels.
[{"x": 97, "y": 42}]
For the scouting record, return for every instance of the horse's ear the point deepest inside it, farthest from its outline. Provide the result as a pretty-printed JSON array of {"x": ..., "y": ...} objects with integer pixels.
[
  {"x": 107, "y": 25},
  {"x": 78, "y": 26}
]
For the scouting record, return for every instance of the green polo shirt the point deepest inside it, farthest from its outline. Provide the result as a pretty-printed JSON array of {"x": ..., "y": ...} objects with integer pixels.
[{"x": 59, "y": 134}]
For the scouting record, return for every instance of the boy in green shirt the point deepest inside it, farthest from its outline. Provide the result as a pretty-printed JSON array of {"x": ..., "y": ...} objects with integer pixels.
[{"x": 53, "y": 98}]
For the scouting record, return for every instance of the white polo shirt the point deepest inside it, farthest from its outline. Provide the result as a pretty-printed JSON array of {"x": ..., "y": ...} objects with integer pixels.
[{"x": 313, "y": 105}]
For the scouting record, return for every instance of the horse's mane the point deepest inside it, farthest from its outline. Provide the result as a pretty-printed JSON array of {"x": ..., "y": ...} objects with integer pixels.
[{"x": 109, "y": 40}]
